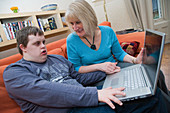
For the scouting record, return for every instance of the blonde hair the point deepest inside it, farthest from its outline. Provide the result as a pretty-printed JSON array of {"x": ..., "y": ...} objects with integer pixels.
[{"x": 81, "y": 10}]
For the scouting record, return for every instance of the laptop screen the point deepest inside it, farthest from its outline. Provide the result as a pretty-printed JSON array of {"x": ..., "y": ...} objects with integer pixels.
[{"x": 153, "y": 50}]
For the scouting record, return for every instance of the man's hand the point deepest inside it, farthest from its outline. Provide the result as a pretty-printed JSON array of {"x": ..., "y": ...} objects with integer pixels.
[
  {"x": 108, "y": 95},
  {"x": 109, "y": 67}
]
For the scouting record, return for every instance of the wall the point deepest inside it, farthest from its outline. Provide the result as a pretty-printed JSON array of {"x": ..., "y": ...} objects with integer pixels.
[
  {"x": 116, "y": 12},
  {"x": 30, "y": 5}
]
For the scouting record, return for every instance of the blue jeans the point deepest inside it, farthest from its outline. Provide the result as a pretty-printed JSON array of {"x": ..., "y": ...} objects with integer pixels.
[{"x": 154, "y": 104}]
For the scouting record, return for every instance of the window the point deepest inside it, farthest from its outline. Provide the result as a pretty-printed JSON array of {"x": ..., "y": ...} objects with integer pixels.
[{"x": 157, "y": 9}]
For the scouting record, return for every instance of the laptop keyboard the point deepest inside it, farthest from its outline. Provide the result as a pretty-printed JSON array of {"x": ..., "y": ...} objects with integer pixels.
[{"x": 133, "y": 79}]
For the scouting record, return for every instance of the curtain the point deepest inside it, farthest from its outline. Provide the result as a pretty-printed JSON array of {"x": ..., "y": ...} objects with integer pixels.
[{"x": 140, "y": 13}]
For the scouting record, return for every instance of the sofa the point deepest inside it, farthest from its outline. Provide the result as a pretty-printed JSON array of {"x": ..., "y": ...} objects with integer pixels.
[{"x": 57, "y": 47}]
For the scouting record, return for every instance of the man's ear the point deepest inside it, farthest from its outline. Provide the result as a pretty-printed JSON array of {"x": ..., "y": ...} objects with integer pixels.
[{"x": 22, "y": 47}]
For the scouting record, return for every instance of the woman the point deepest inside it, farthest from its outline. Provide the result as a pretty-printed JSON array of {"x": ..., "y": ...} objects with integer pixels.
[{"x": 90, "y": 46}]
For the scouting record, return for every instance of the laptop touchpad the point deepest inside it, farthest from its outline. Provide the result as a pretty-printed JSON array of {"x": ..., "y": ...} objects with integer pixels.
[{"x": 115, "y": 81}]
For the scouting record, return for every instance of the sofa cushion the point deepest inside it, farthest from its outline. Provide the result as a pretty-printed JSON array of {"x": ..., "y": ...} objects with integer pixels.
[
  {"x": 105, "y": 23},
  {"x": 130, "y": 47},
  {"x": 57, "y": 51},
  {"x": 56, "y": 44},
  {"x": 7, "y": 104},
  {"x": 10, "y": 59},
  {"x": 64, "y": 49}
]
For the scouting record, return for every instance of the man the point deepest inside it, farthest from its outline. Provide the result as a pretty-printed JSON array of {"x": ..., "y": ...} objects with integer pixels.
[{"x": 49, "y": 84}]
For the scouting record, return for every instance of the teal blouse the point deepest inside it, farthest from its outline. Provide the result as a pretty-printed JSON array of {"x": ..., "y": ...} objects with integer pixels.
[{"x": 82, "y": 55}]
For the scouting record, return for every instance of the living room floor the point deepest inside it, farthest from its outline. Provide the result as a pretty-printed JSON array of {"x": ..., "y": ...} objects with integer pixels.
[{"x": 165, "y": 65}]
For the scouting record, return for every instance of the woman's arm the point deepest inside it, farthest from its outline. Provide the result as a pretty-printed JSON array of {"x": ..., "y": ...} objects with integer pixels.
[
  {"x": 107, "y": 67},
  {"x": 131, "y": 59}
]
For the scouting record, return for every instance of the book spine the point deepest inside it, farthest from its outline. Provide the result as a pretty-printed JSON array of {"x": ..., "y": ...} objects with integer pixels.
[
  {"x": 15, "y": 27},
  {"x": 6, "y": 32},
  {"x": 19, "y": 25},
  {"x": 25, "y": 23},
  {"x": 10, "y": 31},
  {"x": 40, "y": 24}
]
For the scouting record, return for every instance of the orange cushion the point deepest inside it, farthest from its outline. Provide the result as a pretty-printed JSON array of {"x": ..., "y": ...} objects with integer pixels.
[
  {"x": 105, "y": 23},
  {"x": 10, "y": 59},
  {"x": 7, "y": 104},
  {"x": 57, "y": 51},
  {"x": 64, "y": 49},
  {"x": 135, "y": 36},
  {"x": 56, "y": 44}
]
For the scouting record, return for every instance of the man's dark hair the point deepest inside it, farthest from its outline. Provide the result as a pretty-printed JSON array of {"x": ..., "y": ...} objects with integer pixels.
[{"x": 22, "y": 36}]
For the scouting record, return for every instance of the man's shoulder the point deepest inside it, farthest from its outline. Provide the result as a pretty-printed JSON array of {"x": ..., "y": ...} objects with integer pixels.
[
  {"x": 17, "y": 65},
  {"x": 55, "y": 56}
]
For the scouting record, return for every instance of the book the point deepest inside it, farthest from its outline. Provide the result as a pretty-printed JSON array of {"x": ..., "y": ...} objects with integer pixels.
[
  {"x": 46, "y": 25},
  {"x": 6, "y": 32},
  {"x": 40, "y": 24},
  {"x": 29, "y": 23},
  {"x": 52, "y": 23},
  {"x": 15, "y": 27},
  {"x": 64, "y": 21},
  {"x": 10, "y": 30},
  {"x": 19, "y": 25}
]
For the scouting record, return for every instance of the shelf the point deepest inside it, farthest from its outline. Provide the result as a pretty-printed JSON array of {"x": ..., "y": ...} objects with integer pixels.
[{"x": 26, "y": 19}]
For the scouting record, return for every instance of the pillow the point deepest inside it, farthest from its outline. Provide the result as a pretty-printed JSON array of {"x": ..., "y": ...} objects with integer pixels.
[
  {"x": 130, "y": 47},
  {"x": 57, "y": 51},
  {"x": 135, "y": 36},
  {"x": 105, "y": 23},
  {"x": 64, "y": 49}
]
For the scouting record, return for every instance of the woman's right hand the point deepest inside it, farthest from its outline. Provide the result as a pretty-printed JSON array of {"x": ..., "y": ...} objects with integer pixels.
[
  {"x": 109, "y": 67},
  {"x": 107, "y": 95}
]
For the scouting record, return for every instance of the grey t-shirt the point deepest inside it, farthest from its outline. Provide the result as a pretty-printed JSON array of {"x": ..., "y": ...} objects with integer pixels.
[{"x": 52, "y": 86}]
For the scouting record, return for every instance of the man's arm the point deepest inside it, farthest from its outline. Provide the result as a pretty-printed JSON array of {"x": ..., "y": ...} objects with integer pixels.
[{"x": 87, "y": 78}]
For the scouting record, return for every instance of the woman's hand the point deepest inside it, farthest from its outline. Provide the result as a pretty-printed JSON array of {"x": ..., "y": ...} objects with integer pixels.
[
  {"x": 140, "y": 57},
  {"x": 109, "y": 67},
  {"x": 108, "y": 95}
]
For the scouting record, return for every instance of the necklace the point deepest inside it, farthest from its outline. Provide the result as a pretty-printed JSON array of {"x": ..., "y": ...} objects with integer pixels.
[{"x": 92, "y": 45}]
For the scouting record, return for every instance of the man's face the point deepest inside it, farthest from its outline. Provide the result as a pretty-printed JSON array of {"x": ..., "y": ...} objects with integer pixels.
[{"x": 36, "y": 50}]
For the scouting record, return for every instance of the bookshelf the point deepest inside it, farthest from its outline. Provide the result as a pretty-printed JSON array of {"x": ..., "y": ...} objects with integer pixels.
[{"x": 7, "y": 21}]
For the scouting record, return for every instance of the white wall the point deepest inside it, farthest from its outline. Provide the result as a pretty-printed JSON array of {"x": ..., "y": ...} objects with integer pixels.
[
  {"x": 116, "y": 10},
  {"x": 30, "y": 5}
]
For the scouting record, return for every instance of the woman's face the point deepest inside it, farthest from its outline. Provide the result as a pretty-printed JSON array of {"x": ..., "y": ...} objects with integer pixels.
[{"x": 77, "y": 26}]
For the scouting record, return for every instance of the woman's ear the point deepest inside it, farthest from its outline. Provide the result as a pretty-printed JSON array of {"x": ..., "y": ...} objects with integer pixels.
[{"x": 22, "y": 48}]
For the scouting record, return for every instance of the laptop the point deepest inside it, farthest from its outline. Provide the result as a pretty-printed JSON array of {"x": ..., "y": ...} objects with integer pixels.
[{"x": 140, "y": 80}]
